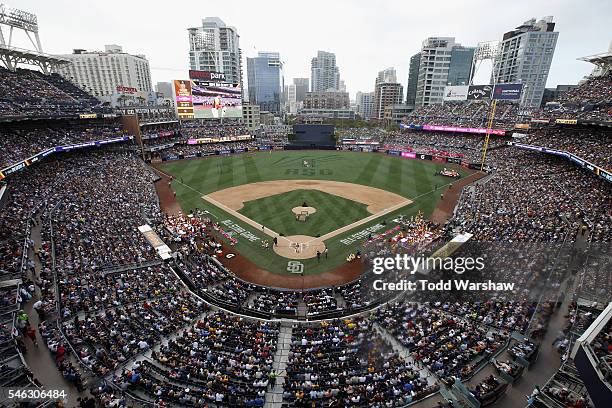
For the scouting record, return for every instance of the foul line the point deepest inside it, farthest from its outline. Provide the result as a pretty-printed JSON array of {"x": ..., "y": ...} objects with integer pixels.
[{"x": 244, "y": 218}]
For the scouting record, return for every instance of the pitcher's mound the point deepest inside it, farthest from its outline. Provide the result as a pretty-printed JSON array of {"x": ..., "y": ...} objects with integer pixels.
[
  {"x": 301, "y": 210},
  {"x": 299, "y": 246}
]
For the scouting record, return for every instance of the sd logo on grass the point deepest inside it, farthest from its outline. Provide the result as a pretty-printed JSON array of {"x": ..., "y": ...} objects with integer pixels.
[{"x": 295, "y": 267}]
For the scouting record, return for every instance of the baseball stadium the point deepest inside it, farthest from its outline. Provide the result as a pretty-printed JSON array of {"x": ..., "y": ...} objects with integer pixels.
[{"x": 199, "y": 245}]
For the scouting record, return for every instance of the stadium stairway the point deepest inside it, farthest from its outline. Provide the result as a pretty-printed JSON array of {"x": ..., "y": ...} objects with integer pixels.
[
  {"x": 340, "y": 302},
  {"x": 274, "y": 395},
  {"x": 39, "y": 359},
  {"x": 548, "y": 359},
  {"x": 404, "y": 353}
]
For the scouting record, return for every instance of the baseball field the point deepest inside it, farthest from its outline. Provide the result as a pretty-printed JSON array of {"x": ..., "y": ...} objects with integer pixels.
[{"x": 326, "y": 201}]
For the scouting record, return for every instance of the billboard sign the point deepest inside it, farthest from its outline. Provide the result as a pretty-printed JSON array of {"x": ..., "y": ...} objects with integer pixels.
[
  {"x": 455, "y": 93},
  {"x": 126, "y": 89},
  {"x": 184, "y": 99},
  {"x": 206, "y": 76},
  {"x": 507, "y": 92},
  {"x": 479, "y": 92}
]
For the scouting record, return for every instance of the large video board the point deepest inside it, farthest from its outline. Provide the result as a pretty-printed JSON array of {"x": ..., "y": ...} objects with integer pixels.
[
  {"x": 216, "y": 100},
  {"x": 207, "y": 99}
]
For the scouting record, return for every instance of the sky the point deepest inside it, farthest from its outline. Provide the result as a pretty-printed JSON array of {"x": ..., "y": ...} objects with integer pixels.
[{"x": 366, "y": 36}]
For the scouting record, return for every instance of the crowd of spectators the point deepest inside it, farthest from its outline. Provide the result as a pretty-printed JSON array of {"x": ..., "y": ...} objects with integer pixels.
[
  {"x": 205, "y": 148},
  {"x": 535, "y": 197},
  {"x": 442, "y": 144},
  {"x": 360, "y": 134},
  {"x": 19, "y": 143},
  {"x": 473, "y": 114},
  {"x": 198, "y": 129},
  {"x": 108, "y": 338},
  {"x": 590, "y": 101},
  {"x": 446, "y": 345},
  {"x": 31, "y": 94},
  {"x": 593, "y": 145},
  {"x": 346, "y": 363},
  {"x": 117, "y": 302},
  {"x": 222, "y": 359}
]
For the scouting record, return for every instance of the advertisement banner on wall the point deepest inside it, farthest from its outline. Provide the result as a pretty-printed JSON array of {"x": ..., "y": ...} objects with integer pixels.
[
  {"x": 220, "y": 139},
  {"x": 410, "y": 126},
  {"x": 479, "y": 92},
  {"x": 453, "y": 160},
  {"x": 566, "y": 121},
  {"x": 507, "y": 92},
  {"x": 500, "y": 132},
  {"x": 455, "y": 93}
]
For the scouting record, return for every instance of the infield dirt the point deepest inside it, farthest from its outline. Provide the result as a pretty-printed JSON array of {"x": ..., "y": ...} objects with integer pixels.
[
  {"x": 375, "y": 198},
  {"x": 379, "y": 202}
]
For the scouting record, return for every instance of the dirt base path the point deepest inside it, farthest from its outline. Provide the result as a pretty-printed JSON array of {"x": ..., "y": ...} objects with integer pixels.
[
  {"x": 446, "y": 206},
  {"x": 232, "y": 199},
  {"x": 375, "y": 198}
]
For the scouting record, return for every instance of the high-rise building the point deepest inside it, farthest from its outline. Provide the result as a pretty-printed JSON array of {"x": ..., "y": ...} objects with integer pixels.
[
  {"x": 166, "y": 89},
  {"x": 265, "y": 81},
  {"x": 250, "y": 115},
  {"x": 387, "y": 91},
  {"x": 215, "y": 47},
  {"x": 302, "y": 85},
  {"x": 413, "y": 79},
  {"x": 342, "y": 86},
  {"x": 324, "y": 74},
  {"x": 104, "y": 73},
  {"x": 327, "y": 100},
  {"x": 387, "y": 75},
  {"x": 365, "y": 104},
  {"x": 460, "y": 65},
  {"x": 524, "y": 56},
  {"x": 292, "y": 103},
  {"x": 442, "y": 62}
]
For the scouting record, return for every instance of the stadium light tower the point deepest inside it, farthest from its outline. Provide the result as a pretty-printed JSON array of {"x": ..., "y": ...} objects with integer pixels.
[
  {"x": 484, "y": 51},
  {"x": 12, "y": 20}
]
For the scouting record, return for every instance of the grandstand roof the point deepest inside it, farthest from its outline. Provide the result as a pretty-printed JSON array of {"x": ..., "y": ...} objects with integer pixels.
[
  {"x": 604, "y": 57},
  {"x": 603, "y": 62},
  {"x": 12, "y": 56}
]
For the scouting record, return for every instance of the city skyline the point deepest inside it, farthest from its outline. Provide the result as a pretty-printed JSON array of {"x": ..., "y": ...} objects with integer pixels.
[{"x": 370, "y": 37}]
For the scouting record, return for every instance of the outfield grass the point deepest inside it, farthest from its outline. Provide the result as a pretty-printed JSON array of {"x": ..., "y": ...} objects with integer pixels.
[
  {"x": 413, "y": 179},
  {"x": 332, "y": 213}
]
